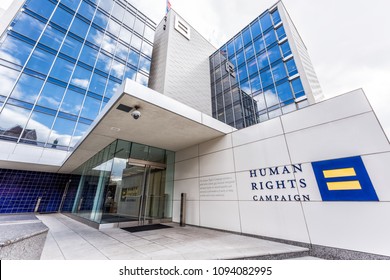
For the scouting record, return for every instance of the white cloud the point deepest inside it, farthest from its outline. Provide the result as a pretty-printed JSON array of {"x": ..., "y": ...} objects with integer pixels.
[{"x": 83, "y": 83}]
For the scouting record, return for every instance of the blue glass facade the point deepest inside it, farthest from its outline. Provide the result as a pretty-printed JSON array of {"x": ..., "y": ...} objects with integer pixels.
[
  {"x": 20, "y": 191},
  {"x": 61, "y": 62},
  {"x": 254, "y": 75}
]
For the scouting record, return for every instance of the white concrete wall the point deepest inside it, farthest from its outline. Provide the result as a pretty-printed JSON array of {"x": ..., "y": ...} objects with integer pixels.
[
  {"x": 180, "y": 66},
  {"x": 215, "y": 175}
]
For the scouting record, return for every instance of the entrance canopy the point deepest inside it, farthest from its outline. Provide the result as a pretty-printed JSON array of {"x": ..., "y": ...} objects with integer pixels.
[{"x": 164, "y": 123}]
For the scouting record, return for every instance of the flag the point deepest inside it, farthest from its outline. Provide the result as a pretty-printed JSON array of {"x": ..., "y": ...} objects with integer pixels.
[{"x": 168, "y": 6}]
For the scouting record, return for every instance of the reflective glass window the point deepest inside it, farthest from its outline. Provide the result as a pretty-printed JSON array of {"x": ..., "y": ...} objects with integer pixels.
[
  {"x": 284, "y": 92},
  {"x": 40, "y": 61},
  {"x": 147, "y": 49},
  {"x": 270, "y": 37},
  {"x": 51, "y": 96},
  {"x": 246, "y": 88},
  {"x": 129, "y": 20},
  {"x": 226, "y": 83},
  {"x": 136, "y": 42},
  {"x": 144, "y": 64},
  {"x": 103, "y": 62},
  {"x": 271, "y": 98},
  {"x": 62, "y": 69},
  {"x": 118, "y": 11},
  {"x": 38, "y": 127},
  {"x": 265, "y": 22},
  {"x": 229, "y": 115},
  {"x": 218, "y": 87},
  {"x": 252, "y": 67},
  {"x": 285, "y": 47},
  {"x": 71, "y": 47},
  {"x": 112, "y": 88},
  {"x": 249, "y": 52},
  {"x": 95, "y": 36},
  {"x": 81, "y": 77},
  {"x": 117, "y": 69},
  {"x": 121, "y": 51},
  {"x": 15, "y": 50},
  {"x": 28, "y": 26},
  {"x": 255, "y": 84},
  {"x": 276, "y": 112},
  {"x": 289, "y": 107},
  {"x": 62, "y": 18},
  {"x": 240, "y": 58},
  {"x": 260, "y": 102},
  {"x": 242, "y": 72},
  {"x": 133, "y": 58},
  {"x": 149, "y": 33},
  {"x": 291, "y": 67},
  {"x": 27, "y": 88},
  {"x": 88, "y": 55},
  {"x": 125, "y": 35},
  {"x": 246, "y": 36},
  {"x": 71, "y": 4},
  {"x": 106, "y": 5},
  {"x": 79, "y": 133},
  {"x": 238, "y": 43},
  {"x": 79, "y": 27},
  {"x": 255, "y": 28},
  {"x": 139, "y": 26},
  {"x": 52, "y": 38},
  {"x": 274, "y": 54},
  {"x": 101, "y": 19},
  {"x": 142, "y": 79},
  {"x": 43, "y": 8},
  {"x": 230, "y": 48},
  {"x": 109, "y": 44},
  {"x": 298, "y": 88},
  {"x": 276, "y": 17},
  {"x": 217, "y": 59},
  {"x": 72, "y": 102},
  {"x": 262, "y": 60},
  {"x": 114, "y": 28},
  {"x": 61, "y": 133},
  {"x": 98, "y": 84},
  {"x": 130, "y": 73},
  {"x": 12, "y": 121},
  {"x": 259, "y": 45},
  {"x": 281, "y": 33},
  {"x": 279, "y": 71},
  {"x": 91, "y": 108},
  {"x": 86, "y": 10},
  {"x": 266, "y": 78},
  {"x": 7, "y": 80}
]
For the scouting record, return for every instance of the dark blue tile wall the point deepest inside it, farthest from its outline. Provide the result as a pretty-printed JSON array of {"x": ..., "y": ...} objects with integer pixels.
[{"x": 20, "y": 190}]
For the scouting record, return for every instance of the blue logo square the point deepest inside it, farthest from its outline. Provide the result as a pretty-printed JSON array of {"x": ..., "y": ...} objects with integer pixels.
[{"x": 344, "y": 179}]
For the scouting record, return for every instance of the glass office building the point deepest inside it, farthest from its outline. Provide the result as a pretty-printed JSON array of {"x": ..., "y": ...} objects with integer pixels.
[
  {"x": 254, "y": 76},
  {"x": 62, "y": 61}
]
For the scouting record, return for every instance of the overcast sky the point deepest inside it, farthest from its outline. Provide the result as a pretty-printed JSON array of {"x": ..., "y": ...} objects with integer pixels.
[{"x": 348, "y": 40}]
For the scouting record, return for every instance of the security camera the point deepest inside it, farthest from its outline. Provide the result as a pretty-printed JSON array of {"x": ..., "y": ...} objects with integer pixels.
[{"x": 136, "y": 114}]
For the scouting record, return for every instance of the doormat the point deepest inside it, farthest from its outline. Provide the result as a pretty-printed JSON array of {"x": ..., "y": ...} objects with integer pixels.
[{"x": 145, "y": 228}]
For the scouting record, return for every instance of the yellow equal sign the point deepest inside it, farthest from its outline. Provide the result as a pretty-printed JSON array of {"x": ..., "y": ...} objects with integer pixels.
[
  {"x": 342, "y": 186},
  {"x": 336, "y": 173}
]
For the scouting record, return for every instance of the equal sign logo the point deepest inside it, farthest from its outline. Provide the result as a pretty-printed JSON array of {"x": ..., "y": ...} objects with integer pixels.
[{"x": 344, "y": 179}]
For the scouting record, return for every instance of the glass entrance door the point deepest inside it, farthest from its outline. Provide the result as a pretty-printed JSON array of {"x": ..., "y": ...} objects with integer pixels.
[{"x": 143, "y": 192}]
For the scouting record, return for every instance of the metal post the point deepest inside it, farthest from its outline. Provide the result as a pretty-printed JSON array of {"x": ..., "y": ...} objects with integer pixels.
[
  {"x": 183, "y": 207},
  {"x": 37, "y": 205}
]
